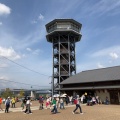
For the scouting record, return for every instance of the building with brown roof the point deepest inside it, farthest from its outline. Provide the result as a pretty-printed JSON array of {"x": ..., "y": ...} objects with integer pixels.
[{"x": 103, "y": 82}]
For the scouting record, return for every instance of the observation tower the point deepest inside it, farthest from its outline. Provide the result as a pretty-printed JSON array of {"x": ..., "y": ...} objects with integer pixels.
[{"x": 63, "y": 34}]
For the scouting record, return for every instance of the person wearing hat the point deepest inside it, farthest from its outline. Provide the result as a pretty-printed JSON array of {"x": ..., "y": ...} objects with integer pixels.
[{"x": 7, "y": 105}]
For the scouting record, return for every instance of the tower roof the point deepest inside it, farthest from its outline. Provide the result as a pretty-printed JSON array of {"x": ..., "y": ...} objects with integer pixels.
[
  {"x": 63, "y": 27},
  {"x": 64, "y": 20}
]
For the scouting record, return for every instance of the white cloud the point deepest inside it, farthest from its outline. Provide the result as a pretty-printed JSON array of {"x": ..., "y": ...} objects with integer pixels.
[
  {"x": 9, "y": 53},
  {"x": 3, "y": 78},
  {"x": 1, "y": 23},
  {"x": 4, "y": 10},
  {"x": 23, "y": 56},
  {"x": 100, "y": 65},
  {"x": 34, "y": 22},
  {"x": 114, "y": 55},
  {"x": 101, "y": 7},
  {"x": 3, "y": 65},
  {"x": 28, "y": 49},
  {"x": 35, "y": 52},
  {"x": 41, "y": 17},
  {"x": 107, "y": 51},
  {"x": 21, "y": 42}
]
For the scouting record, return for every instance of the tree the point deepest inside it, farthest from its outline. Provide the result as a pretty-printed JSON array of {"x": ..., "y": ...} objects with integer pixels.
[
  {"x": 7, "y": 93},
  {"x": 21, "y": 93}
]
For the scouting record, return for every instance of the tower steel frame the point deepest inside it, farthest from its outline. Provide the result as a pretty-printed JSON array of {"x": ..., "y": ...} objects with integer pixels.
[{"x": 63, "y": 34}]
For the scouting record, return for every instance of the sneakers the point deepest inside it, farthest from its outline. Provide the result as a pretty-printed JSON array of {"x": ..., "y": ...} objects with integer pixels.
[
  {"x": 73, "y": 112},
  {"x": 81, "y": 113}
]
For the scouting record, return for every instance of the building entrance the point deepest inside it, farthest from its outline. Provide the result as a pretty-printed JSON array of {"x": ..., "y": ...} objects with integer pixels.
[{"x": 114, "y": 97}]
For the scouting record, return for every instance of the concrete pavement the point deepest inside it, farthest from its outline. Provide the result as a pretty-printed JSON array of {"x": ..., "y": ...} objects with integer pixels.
[{"x": 96, "y": 112}]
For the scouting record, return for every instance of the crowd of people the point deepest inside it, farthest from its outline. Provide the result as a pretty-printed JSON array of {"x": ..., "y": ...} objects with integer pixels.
[
  {"x": 26, "y": 102},
  {"x": 54, "y": 103},
  {"x": 7, "y": 103}
]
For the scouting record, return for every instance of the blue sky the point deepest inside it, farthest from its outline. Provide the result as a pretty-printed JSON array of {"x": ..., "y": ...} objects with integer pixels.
[{"x": 22, "y": 37}]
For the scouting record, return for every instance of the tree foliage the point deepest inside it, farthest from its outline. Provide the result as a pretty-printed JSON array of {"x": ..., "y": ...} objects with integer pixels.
[
  {"x": 21, "y": 93},
  {"x": 7, "y": 93}
]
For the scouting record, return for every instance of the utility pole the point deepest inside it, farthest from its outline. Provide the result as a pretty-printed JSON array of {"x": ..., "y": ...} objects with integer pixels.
[{"x": 52, "y": 86}]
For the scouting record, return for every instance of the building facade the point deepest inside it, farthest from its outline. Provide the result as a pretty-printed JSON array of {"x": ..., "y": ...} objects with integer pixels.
[{"x": 103, "y": 82}]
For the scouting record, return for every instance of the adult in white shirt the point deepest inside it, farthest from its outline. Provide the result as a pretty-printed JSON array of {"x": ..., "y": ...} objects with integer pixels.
[{"x": 28, "y": 104}]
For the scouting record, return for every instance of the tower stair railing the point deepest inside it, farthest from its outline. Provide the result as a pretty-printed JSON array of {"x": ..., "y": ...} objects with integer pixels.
[
  {"x": 64, "y": 58},
  {"x": 64, "y": 69}
]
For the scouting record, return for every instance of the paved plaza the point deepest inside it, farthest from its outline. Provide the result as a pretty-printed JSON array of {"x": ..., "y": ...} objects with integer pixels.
[{"x": 96, "y": 112}]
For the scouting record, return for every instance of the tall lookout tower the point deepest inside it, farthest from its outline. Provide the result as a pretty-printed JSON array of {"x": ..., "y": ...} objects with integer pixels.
[{"x": 63, "y": 33}]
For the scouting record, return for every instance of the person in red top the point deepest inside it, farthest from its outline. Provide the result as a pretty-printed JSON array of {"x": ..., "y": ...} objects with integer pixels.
[
  {"x": 77, "y": 102},
  {"x": 41, "y": 101},
  {"x": 1, "y": 103}
]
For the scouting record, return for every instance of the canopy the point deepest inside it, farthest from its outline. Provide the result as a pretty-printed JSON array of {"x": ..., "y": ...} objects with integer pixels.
[
  {"x": 56, "y": 95},
  {"x": 63, "y": 95}
]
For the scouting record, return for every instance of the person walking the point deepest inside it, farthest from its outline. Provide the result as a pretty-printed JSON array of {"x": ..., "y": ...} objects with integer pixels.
[
  {"x": 41, "y": 103},
  {"x": 28, "y": 104},
  {"x": 71, "y": 97},
  {"x": 54, "y": 110},
  {"x": 24, "y": 100},
  {"x": 1, "y": 103},
  {"x": 50, "y": 99},
  {"x": 13, "y": 102},
  {"x": 62, "y": 103},
  {"x": 57, "y": 102},
  {"x": 67, "y": 99},
  {"x": 7, "y": 105},
  {"x": 77, "y": 102},
  {"x": 47, "y": 102},
  {"x": 82, "y": 98}
]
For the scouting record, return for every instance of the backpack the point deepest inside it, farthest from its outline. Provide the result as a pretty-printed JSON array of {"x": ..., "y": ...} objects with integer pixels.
[
  {"x": 8, "y": 102},
  {"x": 75, "y": 101},
  {"x": 40, "y": 100}
]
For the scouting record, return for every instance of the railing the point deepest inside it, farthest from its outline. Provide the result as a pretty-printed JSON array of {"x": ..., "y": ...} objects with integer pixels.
[{"x": 63, "y": 28}]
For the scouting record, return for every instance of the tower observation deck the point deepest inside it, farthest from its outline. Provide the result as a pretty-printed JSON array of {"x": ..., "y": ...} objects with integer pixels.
[{"x": 63, "y": 34}]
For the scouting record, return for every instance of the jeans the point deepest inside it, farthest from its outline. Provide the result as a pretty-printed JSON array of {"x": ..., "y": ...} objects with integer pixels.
[
  {"x": 78, "y": 106},
  {"x": 54, "y": 109},
  {"x": 13, "y": 105},
  {"x": 28, "y": 110},
  {"x": 62, "y": 105},
  {"x": 7, "y": 108},
  {"x": 41, "y": 106}
]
